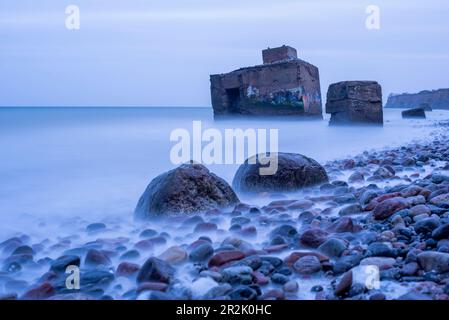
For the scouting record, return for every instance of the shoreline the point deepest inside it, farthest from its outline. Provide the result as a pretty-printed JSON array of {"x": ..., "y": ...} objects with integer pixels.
[{"x": 300, "y": 246}]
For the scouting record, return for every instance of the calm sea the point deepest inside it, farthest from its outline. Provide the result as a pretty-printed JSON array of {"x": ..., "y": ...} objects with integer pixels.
[{"x": 97, "y": 161}]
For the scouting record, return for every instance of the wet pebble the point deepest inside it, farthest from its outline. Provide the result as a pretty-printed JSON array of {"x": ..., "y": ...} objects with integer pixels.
[
  {"x": 201, "y": 252},
  {"x": 97, "y": 258},
  {"x": 95, "y": 227},
  {"x": 307, "y": 265},
  {"x": 313, "y": 237},
  {"x": 60, "y": 265},
  {"x": 237, "y": 275},
  {"x": 130, "y": 255},
  {"x": 148, "y": 233},
  {"x": 155, "y": 270},
  {"x": 126, "y": 269},
  {"x": 174, "y": 255},
  {"x": 333, "y": 247},
  {"x": 221, "y": 258}
]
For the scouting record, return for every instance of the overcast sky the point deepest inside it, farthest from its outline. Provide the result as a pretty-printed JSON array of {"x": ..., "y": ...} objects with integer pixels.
[{"x": 161, "y": 53}]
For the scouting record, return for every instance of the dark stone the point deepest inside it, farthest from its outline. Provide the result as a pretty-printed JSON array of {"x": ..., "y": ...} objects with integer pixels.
[
  {"x": 8, "y": 296},
  {"x": 237, "y": 275},
  {"x": 306, "y": 217},
  {"x": 344, "y": 284},
  {"x": 446, "y": 289},
  {"x": 368, "y": 195},
  {"x": 205, "y": 227},
  {"x": 389, "y": 207},
  {"x": 243, "y": 293},
  {"x": 190, "y": 188},
  {"x": 42, "y": 292},
  {"x": 339, "y": 183},
  {"x": 294, "y": 172},
  {"x": 23, "y": 250},
  {"x": 412, "y": 295},
  {"x": 266, "y": 268},
  {"x": 356, "y": 177},
  {"x": 356, "y": 289},
  {"x": 274, "y": 261},
  {"x": 346, "y": 198},
  {"x": 97, "y": 258},
  {"x": 95, "y": 227},
  {"x": 434, "y": 261},
  {"x": 313, "y": 237},
  {"x": 378, "y": 249},
  {"x": 350, "y": 209},
  {"x": 221, "y": 258},
  {"x": 130, "y": 255},
  {"x": 342, "y": 225},
  {"x": 148, "y": 233},
  {"x": 414, "y": 113},
  {"x": 346, "y": 263},
  {"x": 218, "y": 292},
  {"x": 95, "y": 279},
  {"x": 159, "y": 296},
  {"x": 126, "y": 269},
  {"x": 286, "y": 231},
  {"x": 254, "y": 262},
  {"x": 155, "y": 270},
  {"x": 440, "y": 200},
  {"x": 201, "y": 252},
  {"x": 378, "y": 296},
  {"x": 383, "y": 172},
  {"x": 12, "y": 267},
  {"x": 192, "y": 221},
  {"x": 441, "y": 232},
  {"x": 333, "y": 247},
  {"x": 426, "y": 225},
  {"x": 240, "y": 220},
  {"x": 279, "y": 278},
  {"x": 391, "y": 274},
  {"x": 20, "y": 258},
  {"x": 439, "y": 178},
  {"x": 60, "y": 265},
  {"x": 317, "y": 288},
  {"x": 307, "y": 265}
]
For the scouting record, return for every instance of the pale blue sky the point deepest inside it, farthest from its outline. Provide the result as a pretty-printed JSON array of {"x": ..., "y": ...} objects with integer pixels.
[{"x": 160, "y": 53}]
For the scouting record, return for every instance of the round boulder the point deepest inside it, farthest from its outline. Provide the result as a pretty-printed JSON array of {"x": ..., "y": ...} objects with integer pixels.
[
  {"x": 290, "y": 172},
  {"x": 188, "y": 189}
]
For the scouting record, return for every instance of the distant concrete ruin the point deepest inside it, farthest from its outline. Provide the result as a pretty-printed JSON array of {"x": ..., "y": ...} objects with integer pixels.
[
  {"x": 283, "y": 86},
  {"x": 416, "y": 113}
]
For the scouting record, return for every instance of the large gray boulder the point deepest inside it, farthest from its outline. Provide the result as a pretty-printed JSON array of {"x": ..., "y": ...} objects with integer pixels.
[
  {"x": 355, "y": 102},
  {"x": 294, "y": 172},
  {"x": 188, "y": 189}
]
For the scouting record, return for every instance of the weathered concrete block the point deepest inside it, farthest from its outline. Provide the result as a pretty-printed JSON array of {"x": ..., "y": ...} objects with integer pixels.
[
  {"x": 283, "y": 53},
  {"x": 284, "y": 86},
  {"x": 417, "y": 113},
  {"x": 355, "y": 102}
]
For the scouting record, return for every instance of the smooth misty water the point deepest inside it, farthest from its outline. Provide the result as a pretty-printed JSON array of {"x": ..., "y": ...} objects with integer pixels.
[{"x": 95, "y": 163}]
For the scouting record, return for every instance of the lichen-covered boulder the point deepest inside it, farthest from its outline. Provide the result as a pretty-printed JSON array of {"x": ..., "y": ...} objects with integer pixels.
[
  {"x": 188, "y": 189},
  {"x": 294, "y": 172}
]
